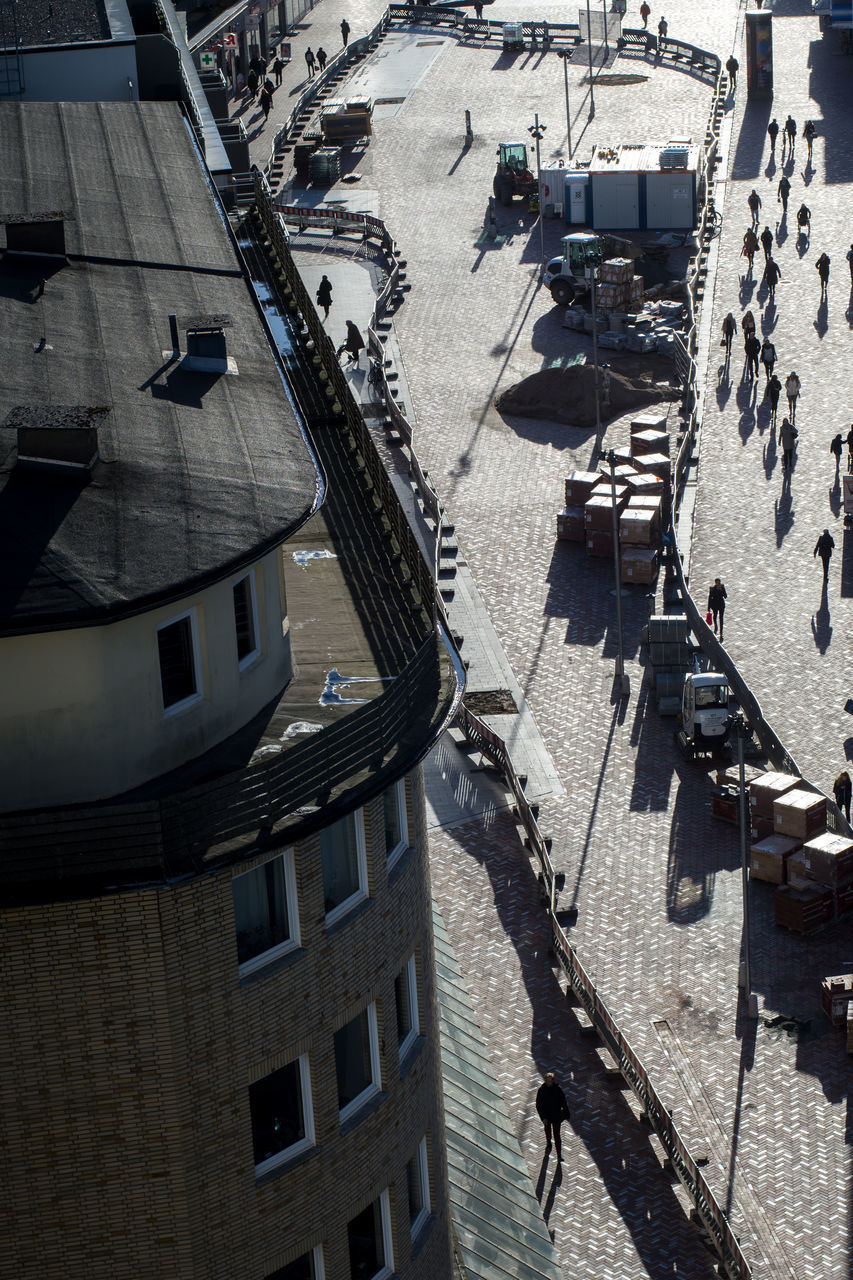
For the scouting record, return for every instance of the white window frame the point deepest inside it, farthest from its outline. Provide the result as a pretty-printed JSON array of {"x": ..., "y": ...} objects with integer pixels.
[
  {"x": 403, "y": 843},
  {"x": 410, "y": 977},
  {"x": 371, "y": 1090},
  {"x": 419, "y": 1222},
  {"x": 387, "y": 1240},
  {"x": 193, "y": 698},
  {"x": 319, "y": 1264},
  {"x": 254, "y": 654},
  {"x": 360, "y": 894},
  {"x": 295, "y": 940},
  {"x": 303, "y": 1144}
]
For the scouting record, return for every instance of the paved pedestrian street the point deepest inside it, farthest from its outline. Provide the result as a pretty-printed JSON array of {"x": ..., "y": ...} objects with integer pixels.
[{"x": 655, "y": 880}]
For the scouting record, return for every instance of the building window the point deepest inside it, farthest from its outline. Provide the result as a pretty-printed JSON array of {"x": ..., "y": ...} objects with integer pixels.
[
  {"x": 246, "y": 621},
  {"x": 396, "y": 826},
  {"x": 357, "y": 1061},
  {"x": 180, "y": 662},
  {"x": 308, "y": 1267},
  {"x": 282, "y": 1115},
  {"x": 417, "y": 1178},
  {"x": 369, "y": 1234},
  {"x": 406, "y": 1007},
  {"x": 344, "y": 865},
  {"x": 266, "y": 920}
]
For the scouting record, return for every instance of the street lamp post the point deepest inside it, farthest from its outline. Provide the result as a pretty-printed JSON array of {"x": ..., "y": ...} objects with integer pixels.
[
  {"x": 536, "y": 131},
  {"x": 592, "y": 279},
  {"x": 620, "y": 659},
  {"x": 565, "y": 55},
  {"x": 604, "y": 11},
  {"x": 589, "y": 50},
  {"x": 744, "y": 976}
]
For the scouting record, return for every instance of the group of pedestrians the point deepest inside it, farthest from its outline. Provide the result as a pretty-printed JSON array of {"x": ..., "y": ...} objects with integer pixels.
[{"x": 317, "y": 61}]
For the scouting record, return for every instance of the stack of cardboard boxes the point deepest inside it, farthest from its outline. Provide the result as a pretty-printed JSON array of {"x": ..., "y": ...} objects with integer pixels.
[{"x": 812, "y": 867}]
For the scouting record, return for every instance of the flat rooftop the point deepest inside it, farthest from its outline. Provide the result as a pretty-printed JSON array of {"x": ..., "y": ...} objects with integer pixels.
[
  {"x": 42, "y": 22},
  {"x": 643, "y": 157},
  {"x": 199, "y": 473}
]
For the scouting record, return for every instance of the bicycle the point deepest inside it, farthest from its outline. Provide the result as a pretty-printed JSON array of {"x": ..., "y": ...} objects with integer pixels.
[{"x": 376, "y": 376}]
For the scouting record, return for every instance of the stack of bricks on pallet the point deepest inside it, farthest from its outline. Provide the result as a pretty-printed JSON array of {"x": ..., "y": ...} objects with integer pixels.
[
  {"x": 570, "y": 522},
  {"x": 669, "y": 649},
  {"x": 619, "y": 292},
  {"x": 835, "y": 997},
  {"x": 640, "y": 526},
  {"x": 725, "y": 796}
]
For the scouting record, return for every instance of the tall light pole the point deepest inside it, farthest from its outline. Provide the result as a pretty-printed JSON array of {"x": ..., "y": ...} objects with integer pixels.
[
  {"x": 589, "y": 48},
  {"x": 604, "y": 11},
  {"x": 744, "y": 977},
  {"x": 624, "y": 686},
  {"x": 565, "y": 55},
  {"x": 592, "y": 278},
  {"x": 537, "y": 130}
]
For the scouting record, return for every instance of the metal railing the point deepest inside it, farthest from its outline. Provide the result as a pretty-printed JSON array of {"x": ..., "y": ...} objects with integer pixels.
[{"x": 705, "y": 1203}]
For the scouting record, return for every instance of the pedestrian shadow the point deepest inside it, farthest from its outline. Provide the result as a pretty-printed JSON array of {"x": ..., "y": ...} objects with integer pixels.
[
  {"x": 784, "y": 512},
  {"x": 771, "y": 167},
  {"x": 835, "y": 496},
  {"x": 848, "y": 314},
  {"x": 746, "y": 404},
  {"x": 808, "y": 173},
  {"x": 724, "y": 385},
  {"x": 847, "y": 563},
  {"x": 802, "y": 243},
  {"x": 552, "y": 1192},
  {"x": 782, "y": 230},
  {"x": 747, "y": 284},
  {"x": 821, "y": 624},
  {"x": 769, "y": 317},
  {"x": 770, "y": 455},
  {"x": 821, "y": 322},
  {"x": 762, "y": 293}
]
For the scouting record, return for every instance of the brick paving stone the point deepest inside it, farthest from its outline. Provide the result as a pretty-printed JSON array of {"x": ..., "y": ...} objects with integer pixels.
[{"x": 656, "y": 881}]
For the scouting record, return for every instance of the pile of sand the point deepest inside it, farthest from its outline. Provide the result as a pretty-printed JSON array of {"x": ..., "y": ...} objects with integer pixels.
[{"x": 568, "y": 396}]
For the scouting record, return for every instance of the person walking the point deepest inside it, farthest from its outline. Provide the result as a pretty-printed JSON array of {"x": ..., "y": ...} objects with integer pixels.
[
  {"x": 310, "y": 62},
  {"x": 809, "y": 132},
  {"x": 824, "y": 548},
  {"x": 717, "y": 598},
  {"x": 792, "y": 391},
  {"x": 842, "y": 789},
  {"x": 324, "y": 296},
  {"x": 754, "y": 202},
  {"x": 773, "y": 390},
  {"x": 766, "y": 238},
  {"x": 354, "y": 344},
  {"x": 822, "y": 268},
  {"x": 729, "y": 331},
  {"x": 345, "y": 30},
  {"x": 662, "y": 30},
  {"x": 788, "y": 434},
  {"x": 850, "y": 264},
  {"x": 265, "y": 99},
  {"x": 850, "y": 451},
  {"x": 804, "y": 220},
  {"x": 252, "y": 84},
  {"x": 552, "y": 1109},
  {"x": 322, "y": 58},
  {"x": 772, "y": 274},
  {"x": 750, "y": 246},
  {"x": 782, "y": 193},
  {"x": 747, "y": 324},
  {"x": 645, "y": 14},
  {"x": 768, "y": 357},
  {"x": 790, "y": 136},
  {"x": 773, "y": 133},
  {"x": 836, "y": 447},
  {"x": 732, "y": 66},
  {"x": 478, "y": 10},
  {"x": 752, "y": 350},
  {"x": 278, "y": 70}
]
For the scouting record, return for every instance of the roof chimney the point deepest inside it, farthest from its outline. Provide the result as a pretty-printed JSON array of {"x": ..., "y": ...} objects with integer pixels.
[
  {"x": 206, "y": 345},
  {"x": 57, "y": 438}
]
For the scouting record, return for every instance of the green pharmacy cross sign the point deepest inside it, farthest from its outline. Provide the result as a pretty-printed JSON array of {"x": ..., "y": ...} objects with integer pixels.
[{"x": 208, "y": 61}]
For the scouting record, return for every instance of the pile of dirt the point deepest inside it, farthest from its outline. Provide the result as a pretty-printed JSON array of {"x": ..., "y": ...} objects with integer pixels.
[{"x": 568, "y": 395}]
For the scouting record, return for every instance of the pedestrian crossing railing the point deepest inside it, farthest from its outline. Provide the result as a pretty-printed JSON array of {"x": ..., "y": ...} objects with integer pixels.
[{"x": 706, "y": 1206}]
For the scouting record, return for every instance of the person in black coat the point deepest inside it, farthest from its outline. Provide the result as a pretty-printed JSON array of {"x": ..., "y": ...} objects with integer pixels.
[
  {"x": 324, "y": 296},
  {"x": 552, "y": 1109},
  {"x": 717, "y": 604}
]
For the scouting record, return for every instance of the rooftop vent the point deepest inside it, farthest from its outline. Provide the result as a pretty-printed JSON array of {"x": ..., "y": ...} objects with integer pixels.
[
  {"x": 676, "y": 154},
  {"x": 206, "y": 345},
  {"x": 58, "y": 438},
  {"x": 36, "y": 234}
]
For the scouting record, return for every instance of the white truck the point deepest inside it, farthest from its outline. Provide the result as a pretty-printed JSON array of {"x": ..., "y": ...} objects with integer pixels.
[{"x": 705, "y": 718}]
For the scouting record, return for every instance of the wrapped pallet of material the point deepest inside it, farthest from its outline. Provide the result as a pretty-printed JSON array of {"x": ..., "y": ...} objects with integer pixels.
[
  {"x": 599, "y": 543},
  {"x": 835, "y": 996},
  {"x": 598, "y": 511},
  {"x": 828, "y": 859},
  {"x": 646, "y": 502},
  {"x": 799, "y": 813},
  {"x": 651, "y": 420},
  {"x": 645, "y": 485},
  {"x": 570, "y": 525},
  {"x": 768, "y": 858},
  {"x": 650, "y": 441},
  {"x": 802, "y": 910},
  {"x": 764, "y": 790},
  {"x": 656, "y": 464},
  {"x": 579, "y": 487},
  {"x": 638, "y": 528},
  {"x": 797, "y": 871},
  {"x": 639, "y": 564}
]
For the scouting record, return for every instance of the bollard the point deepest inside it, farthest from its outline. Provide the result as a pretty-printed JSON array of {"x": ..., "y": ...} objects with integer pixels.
[{"x": 469, "y": 132}]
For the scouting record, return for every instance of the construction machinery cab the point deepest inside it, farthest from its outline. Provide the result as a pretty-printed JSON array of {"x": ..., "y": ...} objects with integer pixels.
[
  {"x": 704, "y": 719},
  {"x": 513, "y": 176},
  {"x": 570, "y": 275}
]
